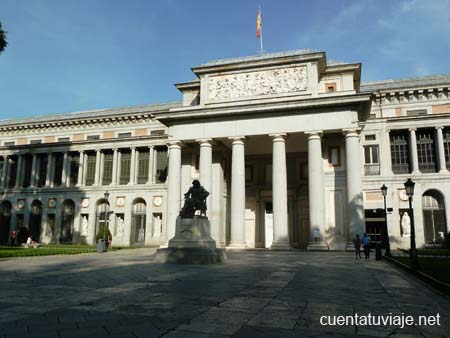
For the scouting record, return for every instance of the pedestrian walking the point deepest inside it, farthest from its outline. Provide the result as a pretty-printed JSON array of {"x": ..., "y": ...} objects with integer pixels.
[
  {"x": 357, "y": 244},
  {"x": 366, "y": 245}
]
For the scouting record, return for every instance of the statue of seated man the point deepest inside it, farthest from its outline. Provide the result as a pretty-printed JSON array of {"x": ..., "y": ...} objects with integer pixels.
[{"x": 194, "y": 199}]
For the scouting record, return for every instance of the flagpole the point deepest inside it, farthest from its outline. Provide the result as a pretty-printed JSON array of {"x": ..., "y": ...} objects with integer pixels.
[
  {"x": 261, "y": 35},
  {"x": 260, "y": 40}
]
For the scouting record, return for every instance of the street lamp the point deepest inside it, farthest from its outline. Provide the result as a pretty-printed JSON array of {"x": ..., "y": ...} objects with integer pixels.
[
  {"x": 106, "y": 215},
  {"x": 385, "y": 232},
  {"x": 409, "y": 187}
]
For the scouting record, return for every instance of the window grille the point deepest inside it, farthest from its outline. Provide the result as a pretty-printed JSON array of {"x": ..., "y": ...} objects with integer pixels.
[
  {"x": 400, "y": 152},
  {"x": 107, "y": 168},
  {"x": 426, "y": 151},
  {"x": 143, "y": 167},
  {"x": 125, "y": 163},
  {"x": 90, "y": 170}
]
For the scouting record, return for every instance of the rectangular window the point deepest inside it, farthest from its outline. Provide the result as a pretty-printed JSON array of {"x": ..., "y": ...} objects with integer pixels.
[
  {"x": 93, "y": 137},
  {"x": 125, "y": 163},
  {"x": 400, "y": 152},
  {"x": 426, "y": 150},
  {"x": 330, "y": 87},
  {"x": 9, "y": 143},
  {"x": 157, "y": 132},
  {"x": 42, "y": 171},
  {"x": 58, "y": 167},
  {"x": 63, "y": 139},
  {"x": 107, "y": 168},
  {"x": 35, "y": 141},
  {"x": 143, "y": 166},
  {"x": 28, "y": 163},
  {"x": 371, "y": 137},
  {"x": 73, "y": 169},
  {"x": 371, "y": 160},
  {"x": 90, "y": 169},
  {"x": 334, "y": 156},
  {"x": 12, "y": 172},
  {"x": 416, "y": 112},
  {"x": 161, "y": 165},
  {"x": 446, "y": 133},
  {"x": 123, "y": 135}
]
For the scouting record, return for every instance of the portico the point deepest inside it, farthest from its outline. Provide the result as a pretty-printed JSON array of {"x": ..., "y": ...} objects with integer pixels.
[{"x": 279, "y": 138}]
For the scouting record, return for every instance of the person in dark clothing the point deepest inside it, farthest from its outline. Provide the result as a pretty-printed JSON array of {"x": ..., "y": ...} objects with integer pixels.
[{"x": 357, "y": 244}]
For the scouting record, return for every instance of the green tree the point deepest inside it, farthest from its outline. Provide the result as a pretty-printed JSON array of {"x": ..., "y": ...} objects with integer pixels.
[{"x": 3, "y": 42}]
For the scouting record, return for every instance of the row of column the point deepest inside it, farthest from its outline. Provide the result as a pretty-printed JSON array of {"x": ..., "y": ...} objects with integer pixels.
[
  {"x": 82, "y": 168},
  {"x": 440, "y": 150},
  {"x": 116, "y": 166},
  {"x": 279, "y": 187}
]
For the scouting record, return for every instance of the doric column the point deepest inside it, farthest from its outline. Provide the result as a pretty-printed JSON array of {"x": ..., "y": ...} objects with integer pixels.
[
  {"x": 413, "y": 151},
  {"x": 151, "y": 178},
  {"x": 98, "y": 153},
  {"x": 173, "y": 188},
  {"x": 206, "y": 170},
  {"x": 155, "y": 164},
  {"x": 33, "y": 171},
  {"x": 316, "y": 192},
  {"x": 48, "y": 177},
  {"x": 5, "y": 171},
  {"x": 102, "y": 167},
  {"x": 133, "y": 166},
  {"x": 136, "y": 166},
  {"x": 19, "y": 171},
  {"x": 114, "y": 168},
  {"x": 119, "y": 166},
  {"x": 441, "y": 151},
  {"x": 64, "y": 169},
  {"x": 80, "y": 168},
  {"x": 238, "y": 193},
  {"x": 85, "y": 165},
  {"x": 355, "y": 205},
  {"x": 279, "y": 193}
]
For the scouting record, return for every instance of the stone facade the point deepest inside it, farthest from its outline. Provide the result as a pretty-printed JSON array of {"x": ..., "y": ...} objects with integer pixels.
[{"x": 291, "y": 146}]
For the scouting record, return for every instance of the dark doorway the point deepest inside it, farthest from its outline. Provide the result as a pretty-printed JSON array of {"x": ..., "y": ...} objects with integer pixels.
[
  {"x": 67, "y": 219},
  {"x": 5, "y": 221},
  {"x": 138, "y": 221},
  {"x": 35, "y": 220},
  {"x": 434, "y": 224}
]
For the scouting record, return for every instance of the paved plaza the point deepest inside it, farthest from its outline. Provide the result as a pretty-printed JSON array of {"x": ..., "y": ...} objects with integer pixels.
[{"x": 255, "y": 294}]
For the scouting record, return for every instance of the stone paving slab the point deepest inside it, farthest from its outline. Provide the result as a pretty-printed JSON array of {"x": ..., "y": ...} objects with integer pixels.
[{"x": 255, "y": 294}]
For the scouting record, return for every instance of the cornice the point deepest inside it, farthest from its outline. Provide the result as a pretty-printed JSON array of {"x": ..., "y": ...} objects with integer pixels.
[{"x": 200, "y": 112}]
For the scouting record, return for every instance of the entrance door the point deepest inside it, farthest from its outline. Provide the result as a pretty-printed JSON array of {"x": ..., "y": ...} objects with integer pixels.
[
  {"x": 268, "y": 223},
  {"x": 5, "y": 220},
  {"x": 35, "y": 220},
  {"x": 67, "y": 219},
  {"x": 434, "y": 224},
  {"x": 138, "y": 220}
]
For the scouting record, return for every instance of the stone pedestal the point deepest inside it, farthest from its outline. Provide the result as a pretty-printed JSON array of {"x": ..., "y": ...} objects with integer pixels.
[{"x": 192, "y": 244}]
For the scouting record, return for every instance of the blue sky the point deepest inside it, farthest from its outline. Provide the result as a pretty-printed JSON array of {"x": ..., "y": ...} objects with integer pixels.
[{"x": 67, "y": 55}]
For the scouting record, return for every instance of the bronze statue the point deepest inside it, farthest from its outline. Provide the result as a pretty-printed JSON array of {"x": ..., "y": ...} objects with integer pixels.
[{"x": 194, "y": 199}]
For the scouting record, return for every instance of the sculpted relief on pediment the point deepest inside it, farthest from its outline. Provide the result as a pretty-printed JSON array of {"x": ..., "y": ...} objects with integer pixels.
[{"x": 267, "y": 82}]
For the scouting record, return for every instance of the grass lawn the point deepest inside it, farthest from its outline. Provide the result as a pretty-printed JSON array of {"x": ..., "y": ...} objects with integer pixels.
[
  {"x": 16, "y": 251},
  {"x": 54, "y": 249},
  {"x": 439, "y": 268}
]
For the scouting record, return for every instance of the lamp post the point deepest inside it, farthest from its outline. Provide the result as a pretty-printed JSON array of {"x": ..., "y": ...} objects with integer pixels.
[
  {"x": 106, "y": 215},
  {"x": 409, "y": 187},
  {"x": 385, "y": 232}
]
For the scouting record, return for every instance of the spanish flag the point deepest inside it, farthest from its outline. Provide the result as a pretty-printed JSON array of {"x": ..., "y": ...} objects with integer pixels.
[{"x": 258, "y": 23}]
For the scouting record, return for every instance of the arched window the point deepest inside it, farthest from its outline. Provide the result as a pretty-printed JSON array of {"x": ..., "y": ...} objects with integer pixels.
[
  {"x": 434, "y": 223},
  {"x": 67, "y": 218},
  {"x": 5, "y": 221},
  {"x": 138, "y": 222}
]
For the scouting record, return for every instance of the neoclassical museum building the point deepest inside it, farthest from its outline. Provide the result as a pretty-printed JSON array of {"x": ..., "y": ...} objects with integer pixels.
[{"x": 292, "y": 147}]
